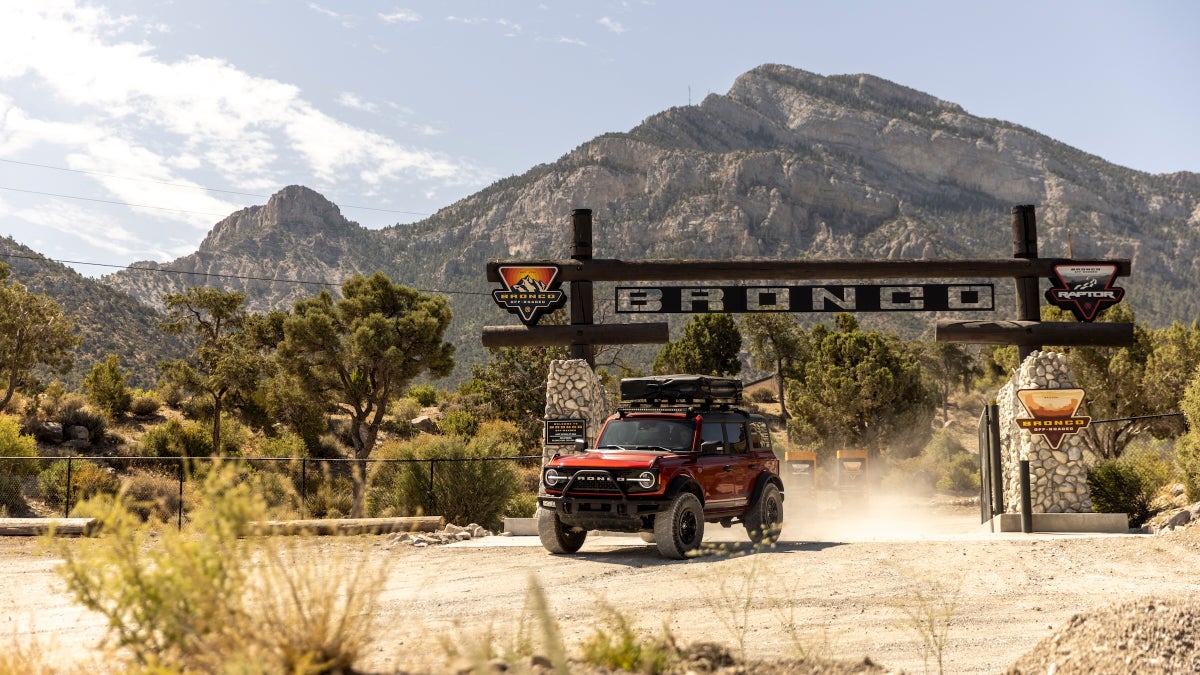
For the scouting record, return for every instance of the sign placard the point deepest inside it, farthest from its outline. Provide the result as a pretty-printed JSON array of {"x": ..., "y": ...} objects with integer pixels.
[
  {"x": 1084, "y": 290},
  {"x": 845, "y": 298},
  {"x": 530, "y": 291},
  {"x": 565, "y": 431},
  {"x": 1053, "y": 413}
]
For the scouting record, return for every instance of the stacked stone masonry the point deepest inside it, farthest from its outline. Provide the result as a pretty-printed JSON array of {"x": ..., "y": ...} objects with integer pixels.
[
  {"x": 574, "y": 392},
  {"x": 1057, "y": 477}
]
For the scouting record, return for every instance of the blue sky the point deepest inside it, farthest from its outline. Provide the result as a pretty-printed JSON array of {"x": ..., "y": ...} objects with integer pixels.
[{"x": 182, "y": 112}]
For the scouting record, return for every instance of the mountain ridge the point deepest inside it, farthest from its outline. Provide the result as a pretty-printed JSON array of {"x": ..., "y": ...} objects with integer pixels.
[{"x": 787, "y": 164}]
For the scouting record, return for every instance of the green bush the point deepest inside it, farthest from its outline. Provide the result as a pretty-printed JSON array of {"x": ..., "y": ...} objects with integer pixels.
[
  {"x": 1187, "y": 464},
  {"x": 12, "y": 498},
  {"x": 95, "y": 423},
  {"x": 174, "y": 438},
  {"x": 522, "y": 505},
  {"x": 88, "y": 480},
  {"x": 423, "y": 394},
  {"x": 13, "y": 443},
  {"x": 1128, "y": 484},
  {"x": 404, "y": 409},
  {"x": 463, "y": 491},
  {"x": 144, "y": 406},
  {"x": 459, "y": 423},
  {"x": 105, "y": 387},
  {"x": 330, "y": 496}
]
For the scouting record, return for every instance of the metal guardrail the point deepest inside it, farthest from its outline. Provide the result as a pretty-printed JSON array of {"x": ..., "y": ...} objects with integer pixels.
[{"x": 58, "y": 481}]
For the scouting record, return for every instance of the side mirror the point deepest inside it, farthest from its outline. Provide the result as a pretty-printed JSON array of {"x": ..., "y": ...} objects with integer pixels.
[
  {"x": 711, "y": 447},
  {"x": 580, "y": 444}
]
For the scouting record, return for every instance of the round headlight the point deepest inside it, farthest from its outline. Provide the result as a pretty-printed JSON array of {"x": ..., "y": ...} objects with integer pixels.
[
  {"x": 646, "y": 480},
  {"x": 553, "y": 477}
]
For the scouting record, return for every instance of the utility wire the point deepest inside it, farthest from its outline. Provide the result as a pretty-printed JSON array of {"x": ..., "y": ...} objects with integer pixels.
[
  {"x": 181, "y": 185},
  {"x": 214, "y": 274},
  {"x": 109, "y": 201}
]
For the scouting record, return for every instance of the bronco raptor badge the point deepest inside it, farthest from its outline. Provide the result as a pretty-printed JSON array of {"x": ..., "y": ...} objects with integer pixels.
[{"x": 1086, "y": 290}]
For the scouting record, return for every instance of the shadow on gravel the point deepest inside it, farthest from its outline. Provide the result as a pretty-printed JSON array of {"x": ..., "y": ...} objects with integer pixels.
[{"x": 646, "y": 555}]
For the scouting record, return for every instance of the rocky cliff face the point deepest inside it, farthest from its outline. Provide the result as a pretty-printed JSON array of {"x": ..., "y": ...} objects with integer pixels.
[
  {"x": 787, "y": 164},
  {"x": 296, "y": 235}
]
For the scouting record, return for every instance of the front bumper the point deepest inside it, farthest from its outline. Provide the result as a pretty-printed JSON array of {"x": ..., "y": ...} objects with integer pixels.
[{"x": 623, "y": 511}]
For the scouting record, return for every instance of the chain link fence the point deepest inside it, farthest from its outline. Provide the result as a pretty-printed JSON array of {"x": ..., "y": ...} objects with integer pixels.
[{"x": 165, "y": 488}]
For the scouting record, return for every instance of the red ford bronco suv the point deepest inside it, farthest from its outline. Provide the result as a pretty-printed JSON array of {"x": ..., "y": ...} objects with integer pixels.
[{"x": 677, "y": 454}]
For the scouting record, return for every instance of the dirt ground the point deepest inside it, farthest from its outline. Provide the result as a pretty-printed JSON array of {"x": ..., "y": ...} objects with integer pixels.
[{"x": 846, "y": 589}]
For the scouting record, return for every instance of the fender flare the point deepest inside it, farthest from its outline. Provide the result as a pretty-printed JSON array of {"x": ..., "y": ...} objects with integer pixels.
[
  {"x": 766, "y": 478},
  {"x": 685, "y": 484}
]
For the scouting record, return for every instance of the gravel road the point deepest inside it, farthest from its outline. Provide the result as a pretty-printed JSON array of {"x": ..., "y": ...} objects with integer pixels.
[{"x": 847, "y": 589}]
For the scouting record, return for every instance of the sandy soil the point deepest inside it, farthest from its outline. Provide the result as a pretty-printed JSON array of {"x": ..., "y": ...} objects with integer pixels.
[{"x": 846, "y": 589}]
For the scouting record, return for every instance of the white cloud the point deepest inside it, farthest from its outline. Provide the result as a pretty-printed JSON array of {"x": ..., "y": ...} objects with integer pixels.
[
  {"x": 401, "y": 16},
  {"x": 352, "y": 101},
  {"x": 321, "y": 10},
  {"x": 611, "y": 24},
  {"x": 120, "y": 108},
  {"x": 571, "y": 41}
]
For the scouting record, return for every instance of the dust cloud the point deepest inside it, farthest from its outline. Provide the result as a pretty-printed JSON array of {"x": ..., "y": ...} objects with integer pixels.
[{"x": 832, "y": 515}]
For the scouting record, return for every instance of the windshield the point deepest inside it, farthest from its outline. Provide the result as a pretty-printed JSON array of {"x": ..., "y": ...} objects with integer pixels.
[{"x": 646, "y": 433}]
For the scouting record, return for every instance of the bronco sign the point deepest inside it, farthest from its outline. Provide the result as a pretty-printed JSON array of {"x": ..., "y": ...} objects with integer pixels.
[{"x": 848, "y": 298}]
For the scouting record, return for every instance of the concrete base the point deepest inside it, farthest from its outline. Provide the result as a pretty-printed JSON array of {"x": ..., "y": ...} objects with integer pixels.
[
  {"x": 1062, "y": 522},
  {"x": 526, "y": 526}
]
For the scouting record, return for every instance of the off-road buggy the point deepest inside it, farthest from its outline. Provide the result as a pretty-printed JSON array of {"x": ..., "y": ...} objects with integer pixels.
[{"x": 677, "y": 454}]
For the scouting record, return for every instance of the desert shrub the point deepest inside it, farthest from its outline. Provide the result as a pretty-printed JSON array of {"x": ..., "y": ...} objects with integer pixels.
[
  {"x": 175, "y": 438},
  {"x": 171, "y": 392},
  {"x": 235, "y": 437},
  {"x": 952, "y": 465},
  {"x": 95, "y": 423},
  {"x": 1128, "y": 484},
  {"x": 762, "y": 395},
  {"x": 144, "y": 406},
  {"x": 615, "y": 645},
  {"x": 328, "y": 496},
  {"x": 50, "y": 400},
  {"x": 459, "y": 423},
  {"x": 13, "y": 443},
  {"x": 463, "y": 491},
  {"x": 423, "y": 394},
  {"x": 522, "y": 505},
  {"x": 291, "y": 612},
  {"x": 910, "y": 476},
  {"x": 88, "y": 479},
  {"x": 398, "y": 427},
  {"x": 404, "y": 409},
  {"x": 1187, "y": 464},
  {"x": 287, "y": 444},
  {"x": 105, "y": 387},
  {"x": 12, "y": 497},
  {"x": 151, "y": 494}
]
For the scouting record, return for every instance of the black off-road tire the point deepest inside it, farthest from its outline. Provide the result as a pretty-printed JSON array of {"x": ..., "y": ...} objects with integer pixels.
[
  {"x": 679, "y": 530},
  {"x": 557, "y": 537},
  {"x": 764, "y": 518}
]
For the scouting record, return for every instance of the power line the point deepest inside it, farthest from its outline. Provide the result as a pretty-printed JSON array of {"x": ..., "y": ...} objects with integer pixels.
[
  {"x": 110, "y": 201},
  {"x": 214, "y": 274},
  {"x": 186, "y": 186}
]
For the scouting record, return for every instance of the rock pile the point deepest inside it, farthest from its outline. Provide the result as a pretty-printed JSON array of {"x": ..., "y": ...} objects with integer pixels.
[
  {"x": 1058, "y": 477},
  {"x": 574, "y": 392},
  {"x": 447, "y": 535},
  {"x": 1155, "y": 635}
]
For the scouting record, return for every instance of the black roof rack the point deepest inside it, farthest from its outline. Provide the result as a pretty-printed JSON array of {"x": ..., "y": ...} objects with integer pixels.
[{"x": 681, "y": 390}]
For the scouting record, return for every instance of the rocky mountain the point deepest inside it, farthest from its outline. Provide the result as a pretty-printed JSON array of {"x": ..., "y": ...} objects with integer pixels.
[
  {"x": 787, "y": 164},
  {"x": 108, "y": 320}
]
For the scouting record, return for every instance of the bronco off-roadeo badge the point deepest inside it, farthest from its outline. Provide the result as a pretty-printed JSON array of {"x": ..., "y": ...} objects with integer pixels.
[{"x": 530, "y": 291}]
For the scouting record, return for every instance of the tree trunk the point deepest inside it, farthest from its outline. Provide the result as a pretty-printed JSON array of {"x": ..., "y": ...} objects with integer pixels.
[{"x": 216, "y": 428}]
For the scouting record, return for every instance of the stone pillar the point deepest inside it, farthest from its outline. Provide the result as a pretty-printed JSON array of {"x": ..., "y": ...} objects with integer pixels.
[
  {"x": 1058, "y": 478},
  {"x": 574, "y": 392}
]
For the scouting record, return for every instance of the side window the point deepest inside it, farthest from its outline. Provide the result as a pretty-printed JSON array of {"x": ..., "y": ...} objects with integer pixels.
[
  {"x": 736, "y": 433},
  {"x": 760, "y": 436},
  {"x": 711, "y": 431}
]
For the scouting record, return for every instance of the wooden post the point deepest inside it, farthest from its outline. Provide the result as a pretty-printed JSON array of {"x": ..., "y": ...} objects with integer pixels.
[
  {"x": 581, "y": 291},
  {"x": 1024, "y": 233}
]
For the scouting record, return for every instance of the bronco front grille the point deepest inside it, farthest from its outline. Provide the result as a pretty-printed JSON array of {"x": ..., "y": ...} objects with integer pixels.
[{"x": 593, "y": 481}]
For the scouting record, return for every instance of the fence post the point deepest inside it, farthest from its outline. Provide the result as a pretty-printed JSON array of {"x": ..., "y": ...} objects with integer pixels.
[
  {"x": 67, "y": 503},
  {"x": 303, "y": 484},
  {"x": 994, "y": 452},
  {"x": 1026, "y": 502},
  {"x": 179, "y": 515},
  {"x": 432, "y": 497}
]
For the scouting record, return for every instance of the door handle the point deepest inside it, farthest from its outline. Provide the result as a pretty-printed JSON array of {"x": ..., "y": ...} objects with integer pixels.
[
  {"x": 753, "y": 466},
  {"x": 728, "y": 467}
]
